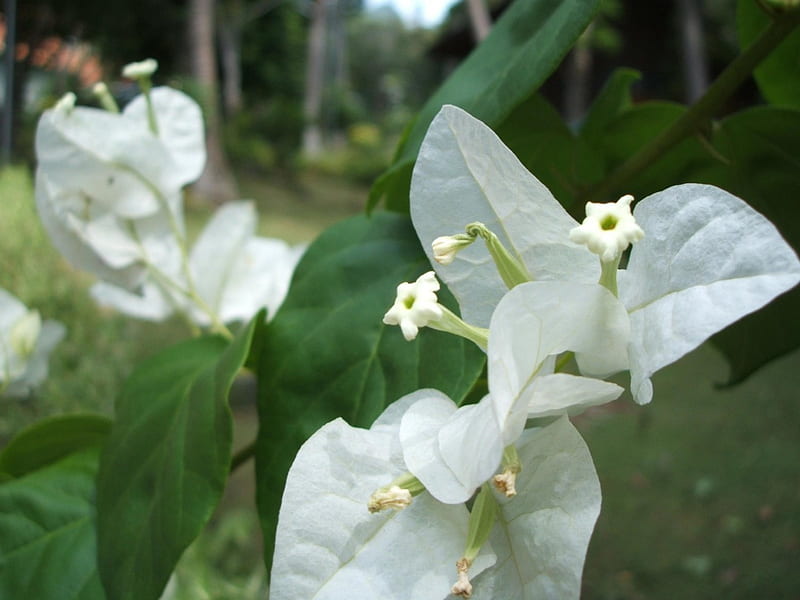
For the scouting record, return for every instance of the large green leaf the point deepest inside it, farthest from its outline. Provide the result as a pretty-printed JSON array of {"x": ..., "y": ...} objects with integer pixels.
[
  {"x": 762, "y": 147},
  {"x": 326, "y": 354},
  {"x": 164, "y": 467},
  {"x": 47, "y": 533},
  {"x": 613, "y": 100},
  {"x": 525, "y": 45},
  {"x": 51, "y": 439},
  {"x": 778, "y": 76}
]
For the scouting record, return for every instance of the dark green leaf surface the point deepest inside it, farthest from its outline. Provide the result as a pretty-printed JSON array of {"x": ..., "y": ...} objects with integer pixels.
[
  {"x": 525, "y": 45},
  {"x": 613, "y": 100},
  {"x": 47, "y": 533},
  {"x": 762, "y": 147},
  {"x": 51, "y": 439},
  {"x": 327, "y": 354},
  {"x": 778, "y": 76},
  {"x": 166, "y": 462}
]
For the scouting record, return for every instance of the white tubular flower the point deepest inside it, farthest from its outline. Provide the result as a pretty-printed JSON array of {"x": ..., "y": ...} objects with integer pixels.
[
  {"x": 143, "y": 68},
  {"x": 708, "y": 258},
  {"x": 25, "y": 332},
  {"x": 66, "y": 103},
  {"x": 608, "y": 229},
  {"x": 416, "y": 305}
]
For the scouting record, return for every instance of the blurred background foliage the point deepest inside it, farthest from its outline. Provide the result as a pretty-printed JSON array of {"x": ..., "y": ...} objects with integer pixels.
[{"x": 307, "y": 102}]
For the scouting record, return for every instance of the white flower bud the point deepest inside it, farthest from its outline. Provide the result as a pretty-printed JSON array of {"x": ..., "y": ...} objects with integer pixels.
[
  {"x": 66, "y": 103},
  {"x": 608, "y": 229},
  {"x": 415, "y": 306},
  {"x": 446, "y": 247},
  {"x": 137, "y": 70}
]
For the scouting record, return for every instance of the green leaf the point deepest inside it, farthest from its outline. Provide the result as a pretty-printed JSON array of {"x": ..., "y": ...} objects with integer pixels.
[
  {"x": 51, "y": 439},
  {"x": 524, "y": 47},
  {"x": 762, "y": 147},
  {"x": 631, "y": 129},
  {"x": 778, "y": 76},
  {"x": 327, "y": 353},
  {"x": 164, "y": 467},
  {"x": 47, "y": 533},
  {"x": 613, "y": 100}
]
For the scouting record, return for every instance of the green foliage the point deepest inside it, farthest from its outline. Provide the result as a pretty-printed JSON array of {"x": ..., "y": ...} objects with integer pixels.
[
  {"x": 50, "y": 439},
  {"x": 778, "y": 77},
  {"x": 164, "y": 467},
  {"x": 326, "y": 354},
  {"x": 524, "y": 47},
  {"x": 47, "y": 533}
]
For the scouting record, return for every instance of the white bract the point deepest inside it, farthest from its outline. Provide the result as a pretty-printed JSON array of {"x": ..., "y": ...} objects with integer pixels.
[
  {"x": 706, "y": 260},
  {"x": 235, "y": 273},
  {"x": 25, "y": 345},
  {"x": 453, "y": 450},
  {"x": 329, "y": 546}
]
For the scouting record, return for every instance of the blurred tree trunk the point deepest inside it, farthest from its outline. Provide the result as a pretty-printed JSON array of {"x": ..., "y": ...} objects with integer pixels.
[
  {"x": 480, "y": 18},
  {"x": 216, "y": 183},
  {"x": 233, "y": 17},
  {"x": 315, "y": 62},
  {"x": 695, "y": 67},
  {"x": 577, "y": 77}
]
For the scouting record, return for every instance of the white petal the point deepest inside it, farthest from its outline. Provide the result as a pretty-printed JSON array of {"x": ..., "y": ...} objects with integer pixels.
[
  {"x": 464, "y": 170},
  {"x": 106, "y": 156},
  {"x": 150, "y": 304},
  {"x": 543, "y": 318},
  {"x": 218, "y": 247},
  {"x": 329, "y": 547},
  {"x": 71, "y": 242},
  {"x": 180, "y": 128},
  {"x": 707, "y": 260},
  {"x": 544, "y": 532},
  {"x": 562, "y": 393},
  {"x": 36, "y": 367},
  {"x": 450, "y": 450}
]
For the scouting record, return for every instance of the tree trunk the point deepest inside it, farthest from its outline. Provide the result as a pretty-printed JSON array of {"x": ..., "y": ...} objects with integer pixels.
[
  {"x": 315, "y": 61},
  {"x": 695, "y": 67},
  {"x": 230, "y": 46},
  {"x": 216, "y": 182},
  {"x": 480, "y": 19}
]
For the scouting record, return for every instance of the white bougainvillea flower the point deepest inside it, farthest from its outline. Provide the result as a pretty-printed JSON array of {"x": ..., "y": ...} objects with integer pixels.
[
  {"x": 329, "y": 546},
  {"x": 608, "y": 229},
  {"x": 415, "y": 306},
  {"x": 25, "y": 345},
  {"x": 234, "y": 274},
  {"x": 707, "y": 258},
  {"x": 453, "y": 450},
  {"x": 111, "y": 159},
  {"x": 543, "y": 532}
]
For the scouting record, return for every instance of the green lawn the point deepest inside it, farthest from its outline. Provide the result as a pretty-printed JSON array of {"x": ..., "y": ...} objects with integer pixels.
[{"x": 701, "y": 488}]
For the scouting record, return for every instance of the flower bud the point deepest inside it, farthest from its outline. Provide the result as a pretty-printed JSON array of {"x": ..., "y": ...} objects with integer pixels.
[{"x": 141, "y": 69}]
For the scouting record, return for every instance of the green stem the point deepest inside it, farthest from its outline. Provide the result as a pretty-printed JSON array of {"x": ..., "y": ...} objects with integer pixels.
[
  {"x": 685, "y": 125},
  {"x": 242, "y": 456}
]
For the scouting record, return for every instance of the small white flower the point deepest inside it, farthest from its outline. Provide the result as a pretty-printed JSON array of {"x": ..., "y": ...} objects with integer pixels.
[
  {"x": 416, "y": 305},
  {"x": 144, "y": 68},
  {"x": 608, "y": 229}
]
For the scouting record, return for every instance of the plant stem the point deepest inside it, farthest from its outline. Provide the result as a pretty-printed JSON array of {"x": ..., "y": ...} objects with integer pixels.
[
  {"x": 242, "y": 456},
  {"x": 685, "y": 125}
]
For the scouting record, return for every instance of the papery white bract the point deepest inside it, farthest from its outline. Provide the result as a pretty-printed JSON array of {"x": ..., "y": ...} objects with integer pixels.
[
  {"x": 328, "y": 546},
  {"x": 454, "y": 450},
  {"x": 25, "y": 345},
  {"x": 707, "y": 259}
]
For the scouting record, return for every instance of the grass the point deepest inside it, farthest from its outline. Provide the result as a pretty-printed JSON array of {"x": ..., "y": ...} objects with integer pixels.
[{"x": 701, "y": 488}]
